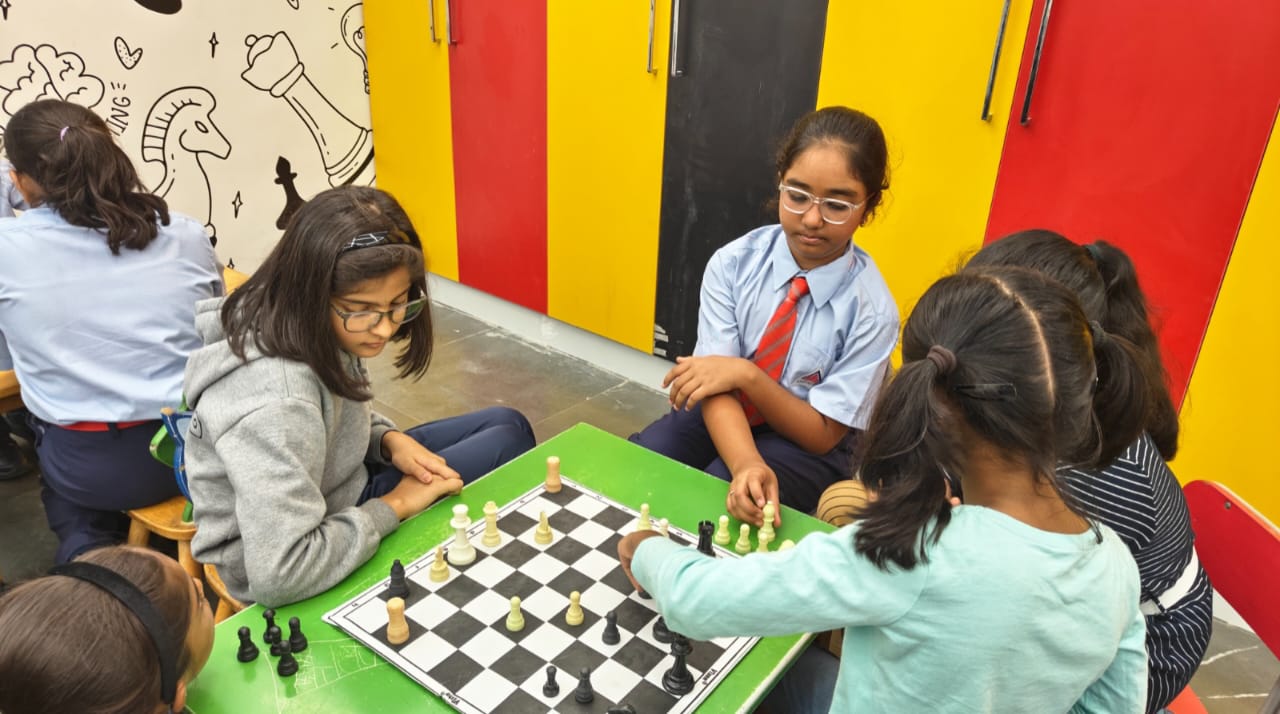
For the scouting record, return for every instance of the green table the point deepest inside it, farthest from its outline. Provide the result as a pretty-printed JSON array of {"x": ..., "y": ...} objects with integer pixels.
[{"x": 337, "y": 674}]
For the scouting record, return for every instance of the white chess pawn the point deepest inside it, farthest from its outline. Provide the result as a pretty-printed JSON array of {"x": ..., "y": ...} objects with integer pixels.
[
  {"x": 574, "y": 616},
  {"x": 439, "y": 571},
  {"x": 461, "y": 552},
  {"x": 722, "y": 533},
  {"x": 786, "y": 545},
  {"x": 553, "y": 484},
  {"x": 644, "y": 523},
  {"x": 766, "y": 528},
  {"x": 491, "y": 535},
  {"x": 663, "y": 527},
  {"x": 542, "y": 534},
  {"x": 515, "y": 621},
  {"x": 743, "y": 545},
  {"x": 764, "y": 540}
]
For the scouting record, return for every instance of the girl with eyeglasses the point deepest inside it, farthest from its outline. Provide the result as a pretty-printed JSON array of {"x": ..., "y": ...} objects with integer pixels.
[
  {"x": 293, "y": 477},
  {"x": 98, "y": 286},
  {"x": 795, "y": 329}
]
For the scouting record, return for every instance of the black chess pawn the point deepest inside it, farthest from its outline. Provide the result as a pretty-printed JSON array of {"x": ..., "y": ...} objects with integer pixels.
[
  {"x": 297, "y": 640},
  {"x": 287, "y": 666},
  {"x": 551, "y": 689},
  {"x": 270, "y": 616},
  {"x": 706, "y": 529},
  {"x": 274, "y": 636},
  {"x": 248, "y": 651},
  {"x": 279, "y": 647},
  {"x": 397, "y": 587},
  {"x": 678, "y": 680},
  {"x": 292, "y": 201},
  {"x": 584, "y": 694},
  {"x": 611, "y": 635},
  {"x": 660, "y": 631}
]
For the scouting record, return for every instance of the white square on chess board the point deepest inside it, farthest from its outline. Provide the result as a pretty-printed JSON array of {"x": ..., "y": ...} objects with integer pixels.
[
  {"x": 585, "y": 506},
  {"x": 487, "y": 690},
  {"x": 489, "y": 571},
  {"x": 535, "y": 507}
]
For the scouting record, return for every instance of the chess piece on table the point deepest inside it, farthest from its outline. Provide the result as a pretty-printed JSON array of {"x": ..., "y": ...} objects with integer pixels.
[
  {"x": 678, "y": 680},
  {"x": 743, "y": 545},
  {"x": 764, "y": 540},
  {"x": 461, "y": 552},
  {"x": 273, "y": 635},
  {"x": 439, "y": 571},
  {"x": 766, "y": 528},
  {"x": 644, "y": 523},
  {"x": 660, "y": 631},
  {"x": 553, "y": 484},
  {"x": 515, "y": 620},
  {"x": 270, "y": 616},
  {"x": 611, "y": 636},
  {"x": 279, "y": 647},
  {"x": 584, "y": 694},
  {"x": 786, "y": 545},
  {"x": 397, "y": 587},
  {"x": 297, "y": 640},
  {"x": 248, "y": 651},
  {"x": 722, "y": 533},
  {"x": 492, "y": 537},
  {"x": 287, "y": 666},
  {"x": 705, "y": 531},
  {"x": 551, "y": 689},
  {"x": 397, "y": 625},
  {"x": 663, "y": 525},
  {"x": 574, "y": 615},
  {"x": 542, "y": 534}
]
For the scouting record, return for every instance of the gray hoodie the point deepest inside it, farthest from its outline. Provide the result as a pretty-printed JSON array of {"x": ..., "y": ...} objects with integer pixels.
[{"x": 275, "y": 463}]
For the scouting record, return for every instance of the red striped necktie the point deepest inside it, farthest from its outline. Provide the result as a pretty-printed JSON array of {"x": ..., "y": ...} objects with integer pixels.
[{"x": 771, "y": 355}]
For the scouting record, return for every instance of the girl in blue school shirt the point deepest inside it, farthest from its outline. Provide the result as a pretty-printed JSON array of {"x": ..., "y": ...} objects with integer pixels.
[
  {"x": 795, "y": 330},
  {"x": 1012, "y": 602},
  {"x": 98, "y": 285}
]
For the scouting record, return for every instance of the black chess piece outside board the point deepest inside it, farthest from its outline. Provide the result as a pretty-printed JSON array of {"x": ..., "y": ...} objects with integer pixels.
[
  {"x": 297, "y": 640},
  {"x": 288, "y": 666},
  {"x": 248, "y": 651},
  {"x": 706, "y": 529},
  {"x": 270, "y": 616}
]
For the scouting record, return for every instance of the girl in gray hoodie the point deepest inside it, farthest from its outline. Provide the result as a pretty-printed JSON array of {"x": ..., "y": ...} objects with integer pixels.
[{"x": 294, "y": 478}]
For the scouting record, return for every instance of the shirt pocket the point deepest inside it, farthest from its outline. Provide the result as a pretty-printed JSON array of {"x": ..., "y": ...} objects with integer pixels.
[{"x": 807, "y": 366}]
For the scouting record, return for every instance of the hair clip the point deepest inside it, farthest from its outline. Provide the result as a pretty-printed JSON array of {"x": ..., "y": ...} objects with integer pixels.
[
  {"x": 993, "y": 392},
  {"x": 369, "y": 240},
  {"x": 63, "y": 134}
]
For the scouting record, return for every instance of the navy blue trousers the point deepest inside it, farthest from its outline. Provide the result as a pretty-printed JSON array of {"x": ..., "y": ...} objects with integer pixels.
[
  {"x": 90, "y": 477},
  {"x": 802, "y": 476},
  {"x": 472, "y": 444}
]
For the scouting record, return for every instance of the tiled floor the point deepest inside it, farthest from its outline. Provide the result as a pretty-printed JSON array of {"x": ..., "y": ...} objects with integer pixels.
[{"x": 477, "y": 365}]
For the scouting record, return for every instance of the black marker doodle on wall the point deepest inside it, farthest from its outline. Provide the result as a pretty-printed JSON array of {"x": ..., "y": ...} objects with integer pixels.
[
  {"x": 345, "y": 147},
  {"x": 179, "y": 129},
  {"x": 164, "y": 7},
  {"x": 4, "y": 8},
  {"x": 128, "y": 57},
  {"x": 292, "y": 201},
  {"x": 352, "y": 29},
  {"x": 293, "y": 4},
  {"x": 34, "y": 73},
  {"x": 213, "y": 45}
]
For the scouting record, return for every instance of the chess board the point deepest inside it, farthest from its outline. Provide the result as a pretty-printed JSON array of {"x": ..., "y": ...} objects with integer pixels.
[{"x": 460, "y": 649}]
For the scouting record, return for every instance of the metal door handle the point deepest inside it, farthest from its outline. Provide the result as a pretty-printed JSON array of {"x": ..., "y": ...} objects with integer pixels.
[
  {"x": 653, "y": 9},
  {"x": 431, "y": 10},
  {"x": 448, "y": 22},
  {"x": 995, "y": 62},
  {"x": 676, "y": 69},
  {"x": 1035, "y": 64}
]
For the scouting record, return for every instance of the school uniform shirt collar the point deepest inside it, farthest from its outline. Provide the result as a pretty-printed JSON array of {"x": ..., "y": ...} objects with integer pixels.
[{"x": 823, "y": 281}]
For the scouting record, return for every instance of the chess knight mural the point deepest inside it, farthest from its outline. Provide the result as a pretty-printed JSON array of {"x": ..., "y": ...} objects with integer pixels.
[{"x": 235, "y": 112}]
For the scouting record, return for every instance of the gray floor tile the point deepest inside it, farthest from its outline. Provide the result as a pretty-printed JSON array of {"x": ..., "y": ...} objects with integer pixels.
[
  {"x": 622, "y": 410},
  {"x": 1236, "y": 673}
]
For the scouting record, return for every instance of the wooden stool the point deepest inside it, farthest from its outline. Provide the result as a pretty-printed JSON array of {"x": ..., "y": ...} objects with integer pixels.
[
  {"x": 227, "y": 605},
  {"x": 165, "y": 520}
]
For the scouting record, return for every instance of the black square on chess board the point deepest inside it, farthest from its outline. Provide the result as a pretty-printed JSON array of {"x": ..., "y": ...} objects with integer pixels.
[{"x": 459, "y": 646}]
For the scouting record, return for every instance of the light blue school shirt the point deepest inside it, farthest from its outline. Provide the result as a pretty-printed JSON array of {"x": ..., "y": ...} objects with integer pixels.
[
  {"x": 846, "y": 327},
  {"x": 94, "y": 336},
  {"x": 1003, "y": 618},
  {"x": 10, "y": 196}
]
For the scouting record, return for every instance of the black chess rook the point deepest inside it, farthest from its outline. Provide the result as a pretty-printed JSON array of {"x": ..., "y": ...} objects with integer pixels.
[{"x": 706, "y": 529}]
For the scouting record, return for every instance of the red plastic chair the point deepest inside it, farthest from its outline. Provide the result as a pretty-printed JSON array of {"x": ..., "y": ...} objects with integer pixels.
[{"x": 1240, "y": 549}]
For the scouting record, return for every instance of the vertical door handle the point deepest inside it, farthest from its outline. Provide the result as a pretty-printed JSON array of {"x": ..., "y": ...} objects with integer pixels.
[
  {"x": 448, "y": 22},
  {"x": 1035, "y": 64},
  {"x": 676, "y": 69},
  {"x": 653, "y": 9},
  {"x": 995, "y": 62},
  {"x": 431, "y": 10}
]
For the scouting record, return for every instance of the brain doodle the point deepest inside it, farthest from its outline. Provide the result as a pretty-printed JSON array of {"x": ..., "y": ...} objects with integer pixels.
[{"x": 33, "y": 73}]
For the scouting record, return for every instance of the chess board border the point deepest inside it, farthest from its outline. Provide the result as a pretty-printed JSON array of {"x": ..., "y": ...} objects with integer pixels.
[{"x": 732, "y": 654}]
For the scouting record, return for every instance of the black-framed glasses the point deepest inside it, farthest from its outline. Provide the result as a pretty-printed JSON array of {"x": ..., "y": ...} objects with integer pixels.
[
  {"x": 369, "y": 240},
  {"x": 365, "y": 320},
  {"x": 833, "y": 210}
]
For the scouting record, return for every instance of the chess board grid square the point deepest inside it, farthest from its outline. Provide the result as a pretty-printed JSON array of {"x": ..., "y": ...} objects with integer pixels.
[
  {"x": 567, "y": 550},
  {"x": 426, "y": 651},
  {"x": 601, "y": 598},
  {"x": 518, "y": 664},
  {"x": 430, "y": 612},
  {"x": 565, "y": 520},
  {"x": 595, "y": 564},
  {"x": 455, "y": 671},
  {"x": 518, "y": 585},
  {"x": 458, "y": 629},
  {"x": 585, "y": 506},
  {"x": 577, "y": 656},
  {"x": 515, "y": 553},
  {"x": 487, "y": 690},
  {"x": 520, "y": 702},
  {"x": 547, "y": 641},
  {"x": 591, "y": 534},
  {"x": 545, "y": 603},
  {"x": 613, "y": 681},
  {"x": 460, "y": 590},
  {"x": 570, "y": 581},
  {"x": 487, "y": 645},
  {"x": 499, "y": 624},
  {"x": 515, "y": 523}
]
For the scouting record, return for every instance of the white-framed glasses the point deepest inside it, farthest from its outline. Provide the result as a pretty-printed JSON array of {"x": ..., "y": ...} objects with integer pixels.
[
  {"x": 365, "y": 320},
  {"x": 833, "y": 210}
]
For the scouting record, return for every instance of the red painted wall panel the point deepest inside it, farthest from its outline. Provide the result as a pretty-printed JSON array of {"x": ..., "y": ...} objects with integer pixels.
[
  {"x": 1148, "y": 125},
  {"x": 498, "y": 79}
]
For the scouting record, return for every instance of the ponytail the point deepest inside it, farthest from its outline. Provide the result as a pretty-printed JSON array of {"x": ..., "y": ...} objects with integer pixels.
[{"x": 1122, "y": 395}]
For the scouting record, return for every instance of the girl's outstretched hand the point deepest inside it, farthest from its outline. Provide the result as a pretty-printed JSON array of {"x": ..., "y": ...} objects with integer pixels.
[
  {"x": 414, "y": 459},
  {"x": 753, "y": 486},
  {"x": 627, "y": 550}
]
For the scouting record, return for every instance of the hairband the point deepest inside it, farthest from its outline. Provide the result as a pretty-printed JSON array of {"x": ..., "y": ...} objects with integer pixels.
[
  {"x": 63, "y": 134},
  {"x": 1094, "y": 253},
  {"x": 142, "y": 608},
  {"x": 1098, "y": 334},
  {"x": 942, "y": 358},
  {"x": 369, "y": 240}
]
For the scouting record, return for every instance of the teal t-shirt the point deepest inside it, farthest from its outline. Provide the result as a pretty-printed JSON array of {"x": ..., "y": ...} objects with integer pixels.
[{"x": 1002, "y": 618}]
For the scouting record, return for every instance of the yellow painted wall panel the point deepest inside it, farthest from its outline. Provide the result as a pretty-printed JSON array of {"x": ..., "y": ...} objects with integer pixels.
[
  {"x": 412, "y": 128},
  {"x": 1230, "y": 424},
  {"x": 605, "y": 122},
  {"x": 921, "y": 70}
]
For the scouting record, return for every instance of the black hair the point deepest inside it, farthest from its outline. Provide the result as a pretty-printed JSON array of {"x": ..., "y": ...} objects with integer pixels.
[
  {"x": 857, "y": 134},
  {"x": 1018, "y": 376},
  {"x": 68, "y": 151},
  {"x": 1133, "y": 393},
  {"x": 284, "y": 308}
]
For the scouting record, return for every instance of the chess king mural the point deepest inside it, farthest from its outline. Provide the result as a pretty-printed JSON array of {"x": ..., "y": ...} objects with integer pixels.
[{"x": 233, "y": 111}]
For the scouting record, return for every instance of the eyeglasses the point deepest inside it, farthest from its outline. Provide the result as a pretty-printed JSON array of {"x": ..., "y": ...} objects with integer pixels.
[
  {"x": 832, "y": 210},
  {"x": 366, "y": 320},
  {"x": 369, "y": 240}
]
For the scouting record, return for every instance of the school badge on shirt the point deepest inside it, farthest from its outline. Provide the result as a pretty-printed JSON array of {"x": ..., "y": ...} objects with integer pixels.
[{"x": 810, "y": 380}]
